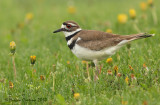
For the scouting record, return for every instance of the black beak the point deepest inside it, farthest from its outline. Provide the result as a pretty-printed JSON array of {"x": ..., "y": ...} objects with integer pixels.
[{"x": 59, "y": 30}]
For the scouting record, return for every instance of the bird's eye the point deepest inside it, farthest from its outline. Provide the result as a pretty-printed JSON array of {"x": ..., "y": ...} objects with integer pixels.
[{"x": 68, "y": 26}]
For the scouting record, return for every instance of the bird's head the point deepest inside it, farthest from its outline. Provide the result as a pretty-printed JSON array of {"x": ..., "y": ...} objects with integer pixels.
[{"x": 68, "y": 27}]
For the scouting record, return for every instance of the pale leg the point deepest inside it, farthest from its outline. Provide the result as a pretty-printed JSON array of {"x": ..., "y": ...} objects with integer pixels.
[{"x": 97, "y": 70}]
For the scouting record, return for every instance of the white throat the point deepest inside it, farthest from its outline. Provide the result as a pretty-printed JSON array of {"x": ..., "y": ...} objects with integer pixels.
[{"x": 70, "y": 33}]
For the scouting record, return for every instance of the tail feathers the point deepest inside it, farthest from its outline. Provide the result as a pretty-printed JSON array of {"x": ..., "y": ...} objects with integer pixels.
[
  {"x": 129, "y": 38},
  {"x": 139, "y": 36},
  {"x": 145, "y": 35}
]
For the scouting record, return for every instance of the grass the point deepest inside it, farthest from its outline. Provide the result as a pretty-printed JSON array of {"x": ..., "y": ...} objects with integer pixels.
[{"x": 52, "y": 54}]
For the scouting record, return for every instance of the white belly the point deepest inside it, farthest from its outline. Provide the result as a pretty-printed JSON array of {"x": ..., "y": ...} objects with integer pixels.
[{"x": 86, "y": 54}]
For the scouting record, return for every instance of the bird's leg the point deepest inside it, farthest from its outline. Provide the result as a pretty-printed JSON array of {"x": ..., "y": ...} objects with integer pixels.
[
  {"x": 88, "y": 71},
  {"x": 97, "y": 70}
]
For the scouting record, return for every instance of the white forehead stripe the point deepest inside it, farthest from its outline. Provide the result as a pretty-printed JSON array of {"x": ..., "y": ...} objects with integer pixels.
[{"x": 63, "y": 26}]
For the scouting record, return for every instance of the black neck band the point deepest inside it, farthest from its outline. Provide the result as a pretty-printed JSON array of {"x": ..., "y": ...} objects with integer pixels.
[{"x": 69, "y": 37}]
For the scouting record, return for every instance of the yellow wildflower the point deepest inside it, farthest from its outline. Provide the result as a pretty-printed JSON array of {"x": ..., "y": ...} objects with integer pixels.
[
  {"x": 33, "y": 59},
  {"x": 150, "y": 3},
  {"x": 29, "y": 16},
  {"x": 68, "y": 62},
  {"x": 122, "y": 18},
  {"x": 124, "y": 102},
  {"x": 71, "y": 10},
  {"x": 42, "y": 77},
  {"x": 84, "y": 62},
  {"x": 132, "y": 13},
  {"x": 10, "y": 84},
  {"x": 143, "y": 6},
  {"x": 109, "y": 30},
  {"x": 109, "y": 60},
  {"x": 76, "y": 95},
  {"x": 127, "y": 80},
  {"x": 12, "y": 47}
]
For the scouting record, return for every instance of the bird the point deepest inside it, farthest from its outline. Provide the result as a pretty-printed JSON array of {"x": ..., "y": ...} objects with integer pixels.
[{"x": 93, "y": 45}]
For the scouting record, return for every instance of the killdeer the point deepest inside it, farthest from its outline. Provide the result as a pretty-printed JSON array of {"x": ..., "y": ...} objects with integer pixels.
[{"x": 92, "y": 45}]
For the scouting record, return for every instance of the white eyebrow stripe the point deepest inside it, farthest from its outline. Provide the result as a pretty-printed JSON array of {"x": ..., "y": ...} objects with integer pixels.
[{"x": 72, "y": 24}]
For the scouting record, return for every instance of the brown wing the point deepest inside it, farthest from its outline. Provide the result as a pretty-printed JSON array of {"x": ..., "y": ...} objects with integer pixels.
[
  {"x": 88, "y": 35},
  {"x": 99, "y": 44},
  {"x": 97, "y": 40}
]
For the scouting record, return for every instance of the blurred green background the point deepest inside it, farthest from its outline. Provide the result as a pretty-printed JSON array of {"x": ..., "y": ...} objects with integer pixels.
[{"x": 30, "y": 23}]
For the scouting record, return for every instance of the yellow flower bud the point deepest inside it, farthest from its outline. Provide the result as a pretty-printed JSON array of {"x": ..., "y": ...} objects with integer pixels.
[
  {"x": 130, "y": 67},
  {"x": 29, "y": 16},
  {"x": 71, "y": 10},
  {"x": 143, "y": 6},
  {"x": 122, "y": 18},
  {"x": 144, "y": 65},
  {"x": 68, "y": 62},
  {"x": 109, "y": 60},
  {"x": 127, "y": 80},
  {"x": 84, "y": 62},
  {"x": 13, "y": 47},
  {"x": 150, "y": 3},
  {"x": 116, "y": 70},
  {"x": 10, "y": 84},
  {"x": 33, "y": 59},
  {"x": 42, "y": 77},
  {"x": 109, "y": 30},
  {"x": 132, "y": 13},
  {"x": 124, "y": 102},
  {"x": 76, "y": 95}
]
